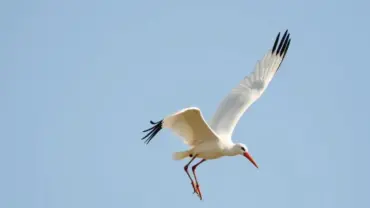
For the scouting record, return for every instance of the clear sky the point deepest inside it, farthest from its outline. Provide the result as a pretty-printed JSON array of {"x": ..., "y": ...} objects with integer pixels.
[{"x": 80, "y": 80}]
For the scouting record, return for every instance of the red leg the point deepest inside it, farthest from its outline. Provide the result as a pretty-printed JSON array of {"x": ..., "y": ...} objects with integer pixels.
[
  {"x": 186, "y": 171},
  {"x": 195, "y": 176}
]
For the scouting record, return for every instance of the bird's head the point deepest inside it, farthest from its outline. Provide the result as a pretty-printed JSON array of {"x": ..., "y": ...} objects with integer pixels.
[{"x": 241, "y": 149}]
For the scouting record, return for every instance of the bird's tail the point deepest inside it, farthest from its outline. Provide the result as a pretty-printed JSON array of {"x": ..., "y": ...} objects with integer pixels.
[{"x": 180, "y": 155}]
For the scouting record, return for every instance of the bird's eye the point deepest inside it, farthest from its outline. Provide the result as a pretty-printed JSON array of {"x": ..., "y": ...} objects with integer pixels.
[{"x": 243, "y": 149}]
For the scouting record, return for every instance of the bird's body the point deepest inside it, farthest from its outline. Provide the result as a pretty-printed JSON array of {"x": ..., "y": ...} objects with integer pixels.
[
  {"x": 212, "y": 150},
  {"x": 212, "y": 140},
  {"x": 207, "y": 150},
  {"x": 190, "y": 125}
]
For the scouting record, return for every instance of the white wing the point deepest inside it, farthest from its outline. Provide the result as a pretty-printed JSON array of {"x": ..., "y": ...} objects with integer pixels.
[
  {"x": 188, "y": 123},
  {"x": 249, "y": 89}
]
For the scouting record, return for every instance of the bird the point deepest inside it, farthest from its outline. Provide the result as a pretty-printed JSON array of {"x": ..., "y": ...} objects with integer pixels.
[{"x": 212, "y": 140}]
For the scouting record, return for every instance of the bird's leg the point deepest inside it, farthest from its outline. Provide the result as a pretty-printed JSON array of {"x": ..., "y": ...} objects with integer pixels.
[
  {"x": 186, "y": 171},
  {"x": 196, "y": 180}
]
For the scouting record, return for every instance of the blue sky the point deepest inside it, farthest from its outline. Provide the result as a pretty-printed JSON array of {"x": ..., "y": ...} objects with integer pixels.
[{"x": 80, "y": 80}]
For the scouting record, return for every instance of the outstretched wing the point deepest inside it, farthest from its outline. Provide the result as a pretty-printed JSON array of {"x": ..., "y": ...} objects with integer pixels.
[
  {"x": 188, "y": 123},
  {"x": 249, "y": 89}
]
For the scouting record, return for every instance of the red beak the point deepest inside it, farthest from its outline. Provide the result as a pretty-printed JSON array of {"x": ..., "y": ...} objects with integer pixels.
[{"x": 247, "y": 155}]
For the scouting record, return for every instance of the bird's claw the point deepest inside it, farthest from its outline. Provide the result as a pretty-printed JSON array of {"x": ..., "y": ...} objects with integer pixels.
[{"x": 197, "y": 190}]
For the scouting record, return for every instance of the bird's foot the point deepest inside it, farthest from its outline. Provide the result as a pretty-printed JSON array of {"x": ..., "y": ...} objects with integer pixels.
[
  {"x": 198, "y": 191},
  {"x": 195, "y": 188}
]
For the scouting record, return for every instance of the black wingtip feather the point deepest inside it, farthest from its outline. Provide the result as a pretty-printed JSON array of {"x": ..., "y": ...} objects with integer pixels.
[
  {"x": 283, "y": 39},
  {"x": 284, "y": 45},
  {"x": 152, "y": 131},
  {"x": 276, "y": 42},
  {"x": 281, "y": 49},
  {"x": 152, "y": 122},
  {"x": 286, "y": 49}
]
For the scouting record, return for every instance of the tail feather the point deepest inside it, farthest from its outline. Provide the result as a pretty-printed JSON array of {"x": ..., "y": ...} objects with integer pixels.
[{"x": 180, "y": 155}]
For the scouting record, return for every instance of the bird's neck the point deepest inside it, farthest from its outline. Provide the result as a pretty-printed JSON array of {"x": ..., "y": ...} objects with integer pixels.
[{"x": 230, "y": 150}]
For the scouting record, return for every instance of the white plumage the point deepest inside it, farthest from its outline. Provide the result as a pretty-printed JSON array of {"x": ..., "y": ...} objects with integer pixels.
[
  {"x": 214, "y": 140},
  {"x": 246, "y": 92},
  {"x": 190, "y": 125}
]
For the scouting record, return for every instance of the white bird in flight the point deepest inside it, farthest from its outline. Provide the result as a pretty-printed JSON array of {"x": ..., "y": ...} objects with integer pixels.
[{"x": 213, "y": 141}]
